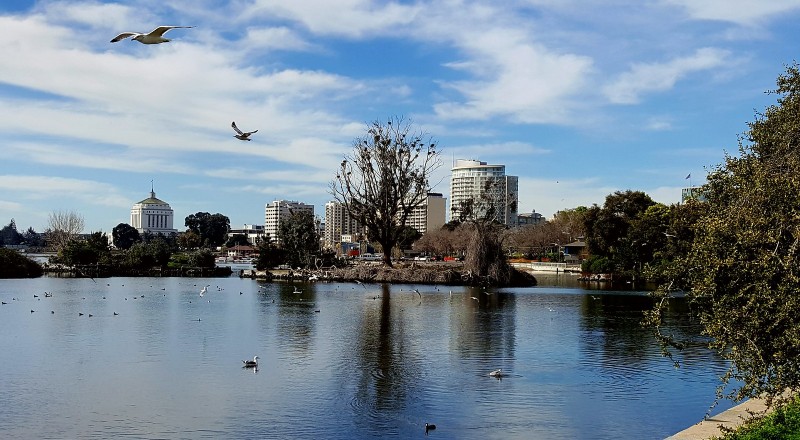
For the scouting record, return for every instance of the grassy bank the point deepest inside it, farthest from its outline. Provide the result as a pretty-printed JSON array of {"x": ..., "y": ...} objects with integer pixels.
[{"x": 780, "y": 424}]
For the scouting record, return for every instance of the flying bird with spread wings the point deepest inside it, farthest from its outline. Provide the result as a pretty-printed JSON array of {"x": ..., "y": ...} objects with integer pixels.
[
  {"x": 242, "y": 135},
  {"x": 155, "y": 36}
]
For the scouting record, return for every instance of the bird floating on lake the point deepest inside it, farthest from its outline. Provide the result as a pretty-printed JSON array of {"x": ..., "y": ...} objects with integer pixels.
[
  {"x": 498, "y": 373},
  {"x": 155, "y": 36},
  {"x": 242, "y": 135},
  {"x": 251, "y": 364},
  {"x": 429, "y": 427}
]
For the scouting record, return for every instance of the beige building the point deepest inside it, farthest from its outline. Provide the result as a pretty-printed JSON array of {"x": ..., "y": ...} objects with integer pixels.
[
  {"x": 429, "y": 215},
  {"x": 339, "y": 226},
  {"x": 153, "y": 215},
  {"x": 280, "y": 210}
]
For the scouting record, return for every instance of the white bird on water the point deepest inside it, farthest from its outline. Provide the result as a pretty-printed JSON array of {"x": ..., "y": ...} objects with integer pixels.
[
  {"x": 251, "y": 364},
  {"x": 242, "y": 135},
  {"x": 204, "y": 290},
  {"x": 155, "y": 36},
  {"x": 498, "y": 373}
]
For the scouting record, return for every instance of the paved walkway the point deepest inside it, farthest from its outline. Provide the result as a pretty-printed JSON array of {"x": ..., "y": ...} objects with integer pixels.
[{"x": 731, "y": 418}]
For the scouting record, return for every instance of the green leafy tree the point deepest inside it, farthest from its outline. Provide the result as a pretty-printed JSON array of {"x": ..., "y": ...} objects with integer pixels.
[
  {"x": 742, "y": 272},
  {"x": 93, "y": 250},
  {"x": 299, "y": 238},
  {"x": 15, "y": 265},
  {"x": 212, "y": 228},
  {"x": 9, "y": 234},
  {"x": 607, "y": 228},
  {"x": 155, "y": 253},
  {"x": 407, "y": 238},
  {"x": 384, "y": 179},
  {"x": 125, "y": 235},
  {"x": 201, "y": 258},
  {"x": 32, "y": 238},
  {"x": 237, "y": 240},
  {"x": 269, "y": 255},
  {"x": 189, "y": 240}
]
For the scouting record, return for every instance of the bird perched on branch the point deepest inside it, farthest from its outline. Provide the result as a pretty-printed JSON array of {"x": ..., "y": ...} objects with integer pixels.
[
  {"x": 242, "y": 135},
  {"x": 155, "y": 36}
]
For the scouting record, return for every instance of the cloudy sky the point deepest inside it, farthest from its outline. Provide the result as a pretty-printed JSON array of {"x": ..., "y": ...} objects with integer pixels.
[{"x": 577, "y": 98}]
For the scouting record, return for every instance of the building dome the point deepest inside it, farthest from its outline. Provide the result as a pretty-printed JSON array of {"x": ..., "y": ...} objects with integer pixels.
[{"x": 152, "y": 215}]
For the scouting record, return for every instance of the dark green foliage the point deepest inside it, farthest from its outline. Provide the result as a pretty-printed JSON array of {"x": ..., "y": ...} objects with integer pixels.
[
  {"x": 156, "y": 253},
  {"x": 201, "y": 258},
  {"x": 597, "y": 264},
  {"x": 781, "y": 424},
  {"x": 125, "y": 235},
  {"x": 299, "y": 238},
  {"x": 93, "y": 250},
  {"x": 9, "y": 234},
  {"x": 15, "y": 265},
  {"x": 269, "y": 255},
  {"x": 31, "y": 238},
  {"x": 237, "y": 240},
  {"x": 743, "y": 267},
  {"x": 212, "y": 228},
  {"x": 408, "y": 236}
]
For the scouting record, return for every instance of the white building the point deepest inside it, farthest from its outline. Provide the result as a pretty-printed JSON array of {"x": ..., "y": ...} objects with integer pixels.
[
  {"x": 280, "y": 210},
  {"x": 254, "y": 233},
  {"x": 470, "y": 179},
  {"x": 428, "y": 215},
  {"x": 152, "y": 215},
  {"x": 339, "y": 226}
]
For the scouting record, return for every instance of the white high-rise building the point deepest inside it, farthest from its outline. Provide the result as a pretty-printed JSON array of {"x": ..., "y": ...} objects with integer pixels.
[
  {"x": 152, "y": 215},
  {"x": 470, "y": 180},
  {"x": 279, "y": 210},
  {"x": 337, "y": 224},
  {"x": 428, "y": 215}
]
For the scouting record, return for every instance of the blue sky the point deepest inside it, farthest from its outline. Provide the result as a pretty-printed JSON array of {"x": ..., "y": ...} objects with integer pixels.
[{"x": 577, "y": 98}]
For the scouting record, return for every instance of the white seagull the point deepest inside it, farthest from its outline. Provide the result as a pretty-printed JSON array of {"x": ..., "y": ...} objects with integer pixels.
[
  {"x": 242, "y": 135},
  {"x": 498, "y": 373},
  {"x": 204, "y": 290},
  {"x": 251, "y": 364},
  {"x": 155, "y": 36}
]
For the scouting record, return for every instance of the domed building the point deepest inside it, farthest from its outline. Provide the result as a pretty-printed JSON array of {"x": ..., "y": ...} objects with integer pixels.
[{"x": 152, "y": 215}]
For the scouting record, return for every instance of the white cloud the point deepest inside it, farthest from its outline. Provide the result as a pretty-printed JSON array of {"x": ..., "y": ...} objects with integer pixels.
[
  {"x": 348, "y": 18},
  {"x": 658, "y": 77},
  {"x": 511, "y": 74},
  {"x": 742, "y": 12},
  {"x": 64, "y": 190}
]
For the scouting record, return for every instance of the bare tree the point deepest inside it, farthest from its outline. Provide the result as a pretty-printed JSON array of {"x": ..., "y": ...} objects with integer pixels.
[
  {"x": 63, "y": 226},
  {"x": 485, "y": 259},
  {"x": 384, "y": 179}
]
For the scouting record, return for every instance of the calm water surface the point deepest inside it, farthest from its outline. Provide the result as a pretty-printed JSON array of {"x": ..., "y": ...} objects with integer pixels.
[{"x": 338, "y": 361}]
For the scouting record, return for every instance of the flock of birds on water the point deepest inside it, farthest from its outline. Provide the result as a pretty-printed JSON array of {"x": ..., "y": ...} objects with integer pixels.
[
  {"x": 156, "y": 36},
  {"x": 253, "y": 364}
]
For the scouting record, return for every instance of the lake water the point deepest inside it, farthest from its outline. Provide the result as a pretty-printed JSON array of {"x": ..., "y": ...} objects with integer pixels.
[{"x": 339, "y": 361}]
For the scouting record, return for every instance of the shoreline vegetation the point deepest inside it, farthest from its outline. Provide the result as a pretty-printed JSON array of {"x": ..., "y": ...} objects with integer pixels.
[{"x": 413, "y": 273}]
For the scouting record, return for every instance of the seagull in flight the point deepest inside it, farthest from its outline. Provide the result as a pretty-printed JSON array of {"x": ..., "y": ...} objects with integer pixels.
[
  {"x": 204, "y": 290},
  {"x": 155, "y": 36},
  {"x": 242, "y": 135}
]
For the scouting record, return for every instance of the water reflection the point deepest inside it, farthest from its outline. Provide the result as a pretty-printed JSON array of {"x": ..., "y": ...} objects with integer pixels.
[{"x": 340, "y": 361}]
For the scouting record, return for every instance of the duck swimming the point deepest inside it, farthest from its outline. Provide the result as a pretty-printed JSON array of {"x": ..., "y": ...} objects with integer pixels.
[
  {"x": 498, "y": 373},
  {"x": 251, "y": 364}
]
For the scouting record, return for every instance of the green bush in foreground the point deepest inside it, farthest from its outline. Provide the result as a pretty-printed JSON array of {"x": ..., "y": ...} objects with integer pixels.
[
  {"x": 782, "y": 424},
  {"x": 15, "y": 265}
]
